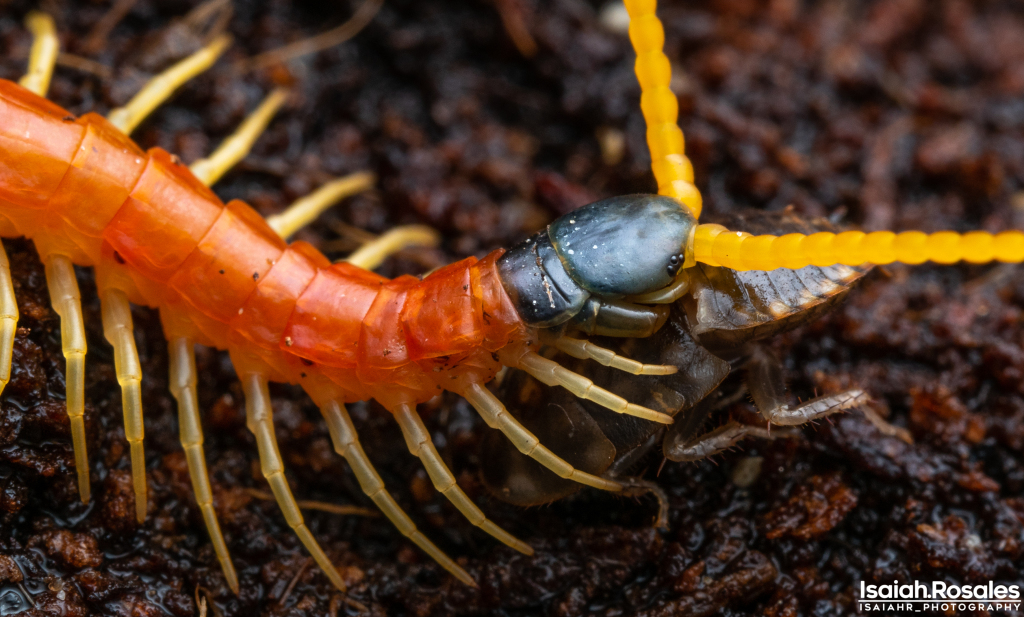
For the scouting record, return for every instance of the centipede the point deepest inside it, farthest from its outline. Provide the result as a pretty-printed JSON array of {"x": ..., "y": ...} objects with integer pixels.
[{"x": 222, "y": 276}]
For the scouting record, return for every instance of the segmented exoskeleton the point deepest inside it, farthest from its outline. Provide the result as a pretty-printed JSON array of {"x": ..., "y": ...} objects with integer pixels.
[{"x": 222, "y": 276}]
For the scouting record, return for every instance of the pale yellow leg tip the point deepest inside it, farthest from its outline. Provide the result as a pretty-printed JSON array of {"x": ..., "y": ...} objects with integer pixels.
[
  {"x": 333, "y": 576},
  {"x": 226, "y": 567},
  {"x": 305, "y": 210},
  {"x": 659, "y": 369},
  {"x": 84, "y": 490},
  {"x": 139, "y": 482},
  {"x": 595, "y": 481},
  {"x": 140, "y": 511},
  {"x": 505, "y": 537},
  {"x": 648, "y": 414},
  {"x": 465, "y": 578},
  {"x": 335, "y": 579},
  {"x": 81, "y": 458},
  {"x": 307, "y": 539}
]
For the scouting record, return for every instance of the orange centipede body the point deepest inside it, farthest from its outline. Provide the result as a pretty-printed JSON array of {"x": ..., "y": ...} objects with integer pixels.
[{"x": 148, "y": 226}]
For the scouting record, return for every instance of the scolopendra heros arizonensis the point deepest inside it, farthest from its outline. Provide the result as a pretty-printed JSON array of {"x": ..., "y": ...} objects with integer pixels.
[{"x": 582, "y": 285}]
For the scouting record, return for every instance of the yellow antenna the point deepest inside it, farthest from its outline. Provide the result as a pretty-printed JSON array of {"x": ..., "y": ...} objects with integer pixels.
[
  {"x": 717, "y": 246},
  {"x": 671, "y": 168}
]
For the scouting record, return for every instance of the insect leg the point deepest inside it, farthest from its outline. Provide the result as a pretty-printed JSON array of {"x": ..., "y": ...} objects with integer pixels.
[
  {"x": 717, "y": 441},
  {"x": 305, "y": 209},
  {"x": 259, "y": 419},
  {"x": 183, "y": 389},
  {"x": 768, "y": 389},
  {"x": 813, "y": 409},
  {"x": 8, "y": 319},
  {"x": 346, "y": 443},
  {"x": 417, "y": 438},
  {"x": 585, "y": 350},
  {"x": 161, "y": 87},
  {"x": 374, "y": 252},
  {"x": 43, "y": 55},
  {"x": 67, "y": 302},
  {"x": 237, "y": 145},
  {"x": 496, "y": 416},
  {"x": 884, "y": 427},
  {"x": 553, "y": 374},
  {"x": 119, "y": 332}
]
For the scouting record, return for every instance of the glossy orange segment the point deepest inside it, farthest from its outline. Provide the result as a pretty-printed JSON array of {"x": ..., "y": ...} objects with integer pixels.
[
  {"x": 498, "y": 314},
  {"x": 102, "y": 174},
  {"x": 37, "y": 142},
  {"x": 382, "y": 341},
  {"x": 226, "y": 266},
  {"x": 265, "y": 314},
  {"x": 328, "y": 316},
  {"x": 384, "y": 351},
  {"x": 442, "y": 315},
  {"x": 164, "y": 218}
]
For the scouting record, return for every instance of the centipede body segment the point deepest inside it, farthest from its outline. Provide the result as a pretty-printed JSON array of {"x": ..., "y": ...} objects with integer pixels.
[{"x": 221, "y": 276}]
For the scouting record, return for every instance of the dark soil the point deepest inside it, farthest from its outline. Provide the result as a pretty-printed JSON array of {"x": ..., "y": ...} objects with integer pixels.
[{"x": 903, "y": 114}]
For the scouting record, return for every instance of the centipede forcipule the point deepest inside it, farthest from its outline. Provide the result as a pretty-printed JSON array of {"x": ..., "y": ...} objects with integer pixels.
[{"x": 223, "y": 277}]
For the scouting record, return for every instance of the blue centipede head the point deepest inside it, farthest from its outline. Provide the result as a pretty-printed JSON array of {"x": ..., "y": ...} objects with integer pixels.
[{"x": 624, "y": 246}]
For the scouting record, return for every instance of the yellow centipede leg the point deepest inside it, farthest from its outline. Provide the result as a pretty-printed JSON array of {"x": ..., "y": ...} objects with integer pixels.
[
  {"x": 237, "y": 146},
  {"x": 496, "y": 416},
  {"x": 374, "y": 252},
  {"x": 183, "y": 389},
  {"x": 346, "y": 443},
  {"x": 305, "y": 210},
  {"x": 67, "y": 302},
  {"x": 8, "y": 319},
  {"x": 553, "y": 374},
  {"x": 43, "y": 55},
  {"x": 118, "y": 330},
  {"x": 161, "y": 87},
  {"x": 259, "y": 419},
  {"x": 585, "y": 350},
  {"x": 417, "y": 438}
]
